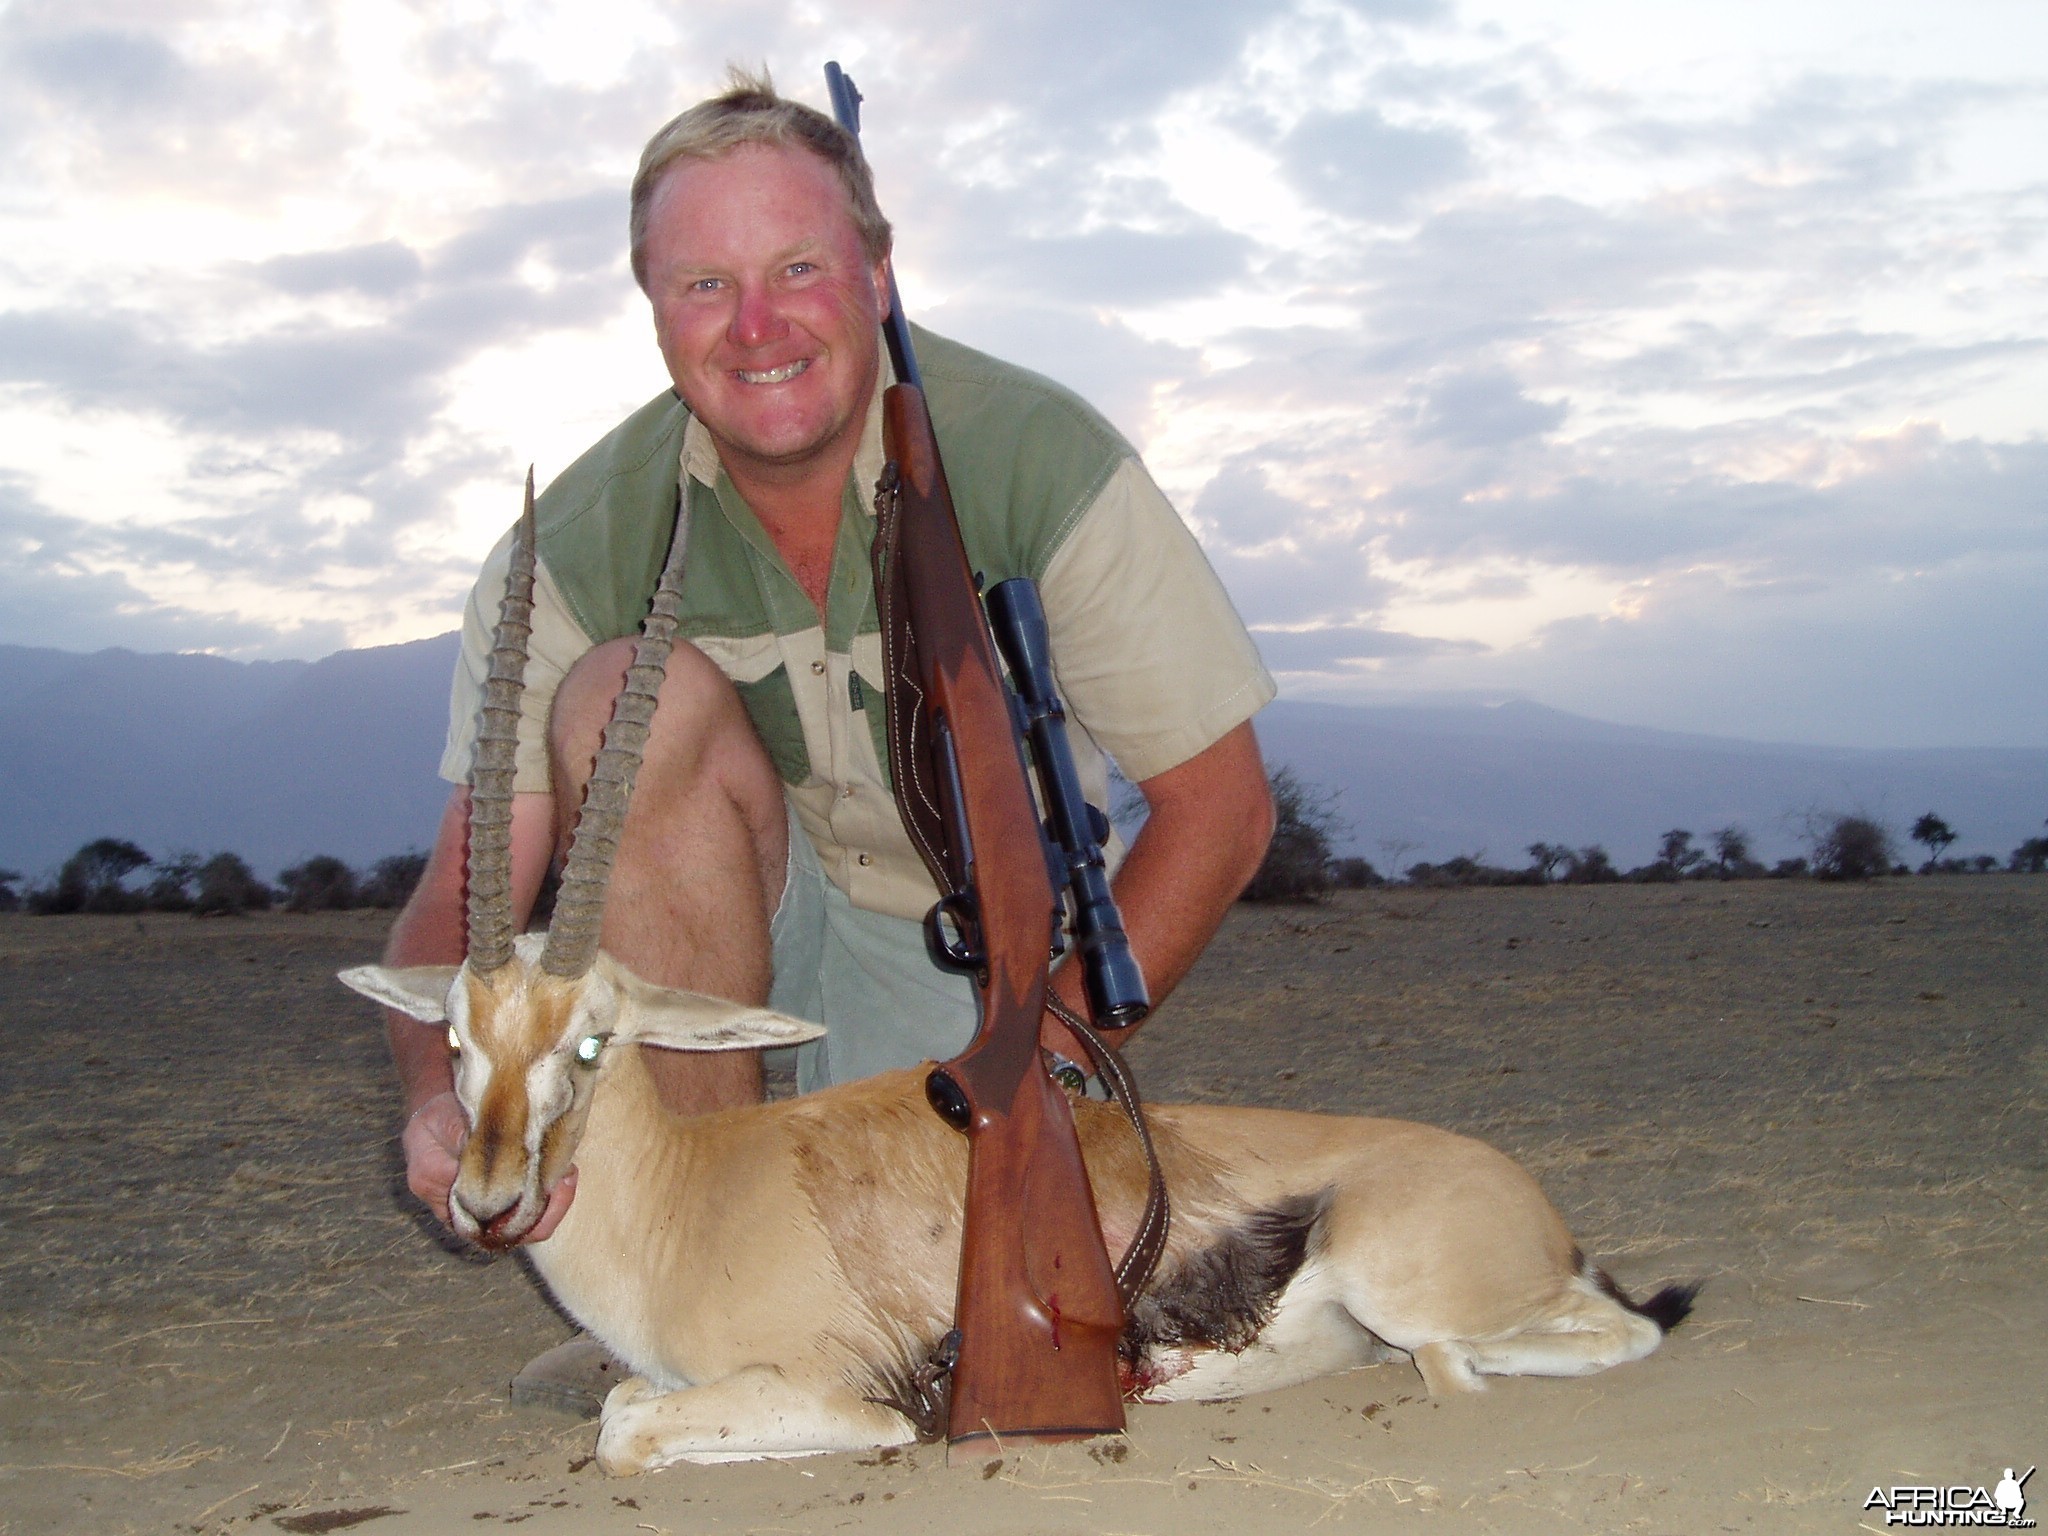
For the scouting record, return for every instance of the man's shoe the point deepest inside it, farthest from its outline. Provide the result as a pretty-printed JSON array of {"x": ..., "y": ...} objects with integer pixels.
[{"x": 571, "y": 1377}]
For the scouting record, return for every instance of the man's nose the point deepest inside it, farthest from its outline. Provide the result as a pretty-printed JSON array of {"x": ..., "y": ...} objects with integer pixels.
[{"x": 756, "y": 319}]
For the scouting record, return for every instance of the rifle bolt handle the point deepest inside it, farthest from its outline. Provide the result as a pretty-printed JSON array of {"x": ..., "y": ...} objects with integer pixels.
[{"x": 948, "y": 1099}]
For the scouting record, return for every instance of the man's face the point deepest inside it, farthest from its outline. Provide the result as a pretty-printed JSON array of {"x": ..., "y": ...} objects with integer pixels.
[{"x": 766, "y": 307}]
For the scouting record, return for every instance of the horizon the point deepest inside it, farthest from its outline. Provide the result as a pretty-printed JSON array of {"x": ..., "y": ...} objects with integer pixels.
[{"x": 1472, "y": 699}]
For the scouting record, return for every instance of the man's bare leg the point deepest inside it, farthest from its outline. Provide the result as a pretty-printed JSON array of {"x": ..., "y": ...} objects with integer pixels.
[{"x": 701, "y": 861}]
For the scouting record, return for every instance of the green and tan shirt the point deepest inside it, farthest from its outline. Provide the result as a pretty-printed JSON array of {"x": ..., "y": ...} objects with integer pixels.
[{"x": 1150, "y": 657}]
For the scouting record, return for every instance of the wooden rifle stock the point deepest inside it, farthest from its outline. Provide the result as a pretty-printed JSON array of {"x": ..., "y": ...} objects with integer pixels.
[{"x": 1038, "y": 1314}]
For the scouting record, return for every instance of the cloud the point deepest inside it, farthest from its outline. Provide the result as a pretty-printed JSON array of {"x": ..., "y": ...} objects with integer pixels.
[
  {"x": 380, "y": 270},
  {"x": 1340, "y": 649},
  {"x": 1362, "y": 166},
  {"x": 103, "y": 69},
  {"x": 1124, "y": 266},
  {"x": 366, "y": 383},
  {"x": 60, "y": 586},
  {"x": 1283, "y": 560},
  {"x": 1485, "y": 410}
]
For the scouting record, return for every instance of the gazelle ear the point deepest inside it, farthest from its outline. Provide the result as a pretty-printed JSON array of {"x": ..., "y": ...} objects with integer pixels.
[
  {"x": 686, "y": 1021},
  {"x": 418, "y": 990}
]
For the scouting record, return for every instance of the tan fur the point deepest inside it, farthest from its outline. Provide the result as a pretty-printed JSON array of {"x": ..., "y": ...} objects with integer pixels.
[{"x": 767, "y": 1271}]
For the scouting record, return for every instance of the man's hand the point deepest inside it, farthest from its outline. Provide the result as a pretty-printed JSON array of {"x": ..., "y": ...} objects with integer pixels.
[
  {"x": 1210, "y": 822},
  {"x": 432, "y": 1143}
]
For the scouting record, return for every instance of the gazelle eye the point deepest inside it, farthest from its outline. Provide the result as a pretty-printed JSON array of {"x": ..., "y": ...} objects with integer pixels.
[
  {"x": 589, "y": 1048},
  {"x": 454, "y": 1040}
]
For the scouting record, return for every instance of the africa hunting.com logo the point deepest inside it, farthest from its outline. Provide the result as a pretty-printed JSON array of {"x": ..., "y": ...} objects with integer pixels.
[{"x": 1958, "y": 1504}]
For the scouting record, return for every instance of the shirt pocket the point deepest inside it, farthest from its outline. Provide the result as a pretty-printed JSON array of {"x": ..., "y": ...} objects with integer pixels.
[
  {"x": 755, "y": 665},
  {"x": 771, "y": 705}
]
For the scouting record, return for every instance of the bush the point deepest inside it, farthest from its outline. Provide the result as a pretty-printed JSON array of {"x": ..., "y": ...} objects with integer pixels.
[
  {"x": 171, "y": 881},
  {"x": 1852, "y": 848},
  {"x": 10, "y": 900},
  {"x": 1297, "y": 862},
  {"x": 1590, "y": 866},
  {"x": 391, "y": 881},
  {"x": 2030, "y": 858},
  {"x": 322, "y": 884},
  {"x": 1790, "y": 869},
  {"x": 229, "y": 888},
  {"x": 1353, "y": 875},
  {"x": 1467, "y": 869}
]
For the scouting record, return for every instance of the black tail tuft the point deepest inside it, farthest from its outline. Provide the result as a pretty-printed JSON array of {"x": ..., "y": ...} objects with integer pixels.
[{"x": 1667, "y": 1309}]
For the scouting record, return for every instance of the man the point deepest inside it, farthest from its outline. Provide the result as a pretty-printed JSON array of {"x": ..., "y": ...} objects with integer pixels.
[{"x": 762, "y": 858}]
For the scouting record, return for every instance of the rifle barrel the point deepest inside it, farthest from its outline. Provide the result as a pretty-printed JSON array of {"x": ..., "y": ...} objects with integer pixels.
[{"x": 846, "y": 100}]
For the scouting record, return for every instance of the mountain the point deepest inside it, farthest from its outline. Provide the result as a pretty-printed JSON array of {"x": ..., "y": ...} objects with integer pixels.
[
  {"x": 271, "y": 760},
  {"x": 280, "y": 760},
  {"x": 1487, "y": 781}
]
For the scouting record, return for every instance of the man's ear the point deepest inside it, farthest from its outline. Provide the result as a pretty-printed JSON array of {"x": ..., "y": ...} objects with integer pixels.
[
  {"x": 881, "y": 274},
  {"x": 418, "y": 990},
  {"x": 686, "y": 1021}
]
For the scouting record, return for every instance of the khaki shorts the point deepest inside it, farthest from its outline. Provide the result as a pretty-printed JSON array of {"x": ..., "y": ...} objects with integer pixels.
[{"x": 865, "y": 976}]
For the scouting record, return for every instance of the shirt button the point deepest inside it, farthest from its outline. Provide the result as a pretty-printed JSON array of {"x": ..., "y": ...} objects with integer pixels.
[
  {"x": 865, "y": 860},
  {"x": 818, "y": 667}
]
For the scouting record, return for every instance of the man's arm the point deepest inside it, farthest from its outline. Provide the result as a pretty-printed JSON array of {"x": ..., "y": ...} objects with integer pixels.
[
  {"x": 432, "y": 930},
  {"x": 1211, "y": 818}
]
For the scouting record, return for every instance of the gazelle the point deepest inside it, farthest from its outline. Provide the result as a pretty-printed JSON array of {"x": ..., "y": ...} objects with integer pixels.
[{"x": 776, "y": 1275}]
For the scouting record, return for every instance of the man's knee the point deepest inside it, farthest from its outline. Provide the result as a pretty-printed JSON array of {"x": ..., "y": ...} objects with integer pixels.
[
  {"x": 700, "y": 727},
  {"x": 697, "y": 703}
]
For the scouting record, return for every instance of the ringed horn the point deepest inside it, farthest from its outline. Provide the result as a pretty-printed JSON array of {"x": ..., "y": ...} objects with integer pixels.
[{"x": 572, "y": 938}]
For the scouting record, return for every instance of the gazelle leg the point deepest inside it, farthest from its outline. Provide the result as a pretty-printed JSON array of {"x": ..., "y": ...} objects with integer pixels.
[
  {"x": 1619, "y": 1338},
  {"x": 752, "y": 1414}
]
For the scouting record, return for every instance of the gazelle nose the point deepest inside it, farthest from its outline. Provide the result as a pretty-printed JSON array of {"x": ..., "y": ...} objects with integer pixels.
[{"x": 482, "y": 1212}]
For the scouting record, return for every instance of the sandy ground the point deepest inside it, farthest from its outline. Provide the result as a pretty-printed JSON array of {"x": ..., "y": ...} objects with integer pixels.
[{"x": 222, "y": 1314}]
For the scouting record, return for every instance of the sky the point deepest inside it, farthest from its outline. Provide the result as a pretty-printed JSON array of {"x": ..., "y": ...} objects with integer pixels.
[{"x": 1679, "y": 366}]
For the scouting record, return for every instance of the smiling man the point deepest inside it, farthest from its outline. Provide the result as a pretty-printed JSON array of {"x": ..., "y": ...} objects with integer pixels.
[{"x": 763, "y": 858}]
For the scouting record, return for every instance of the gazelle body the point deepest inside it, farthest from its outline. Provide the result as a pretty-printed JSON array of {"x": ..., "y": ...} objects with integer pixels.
[
  {"x": 778, "y": 1275},
  {"x": 774, "y": 1275}
]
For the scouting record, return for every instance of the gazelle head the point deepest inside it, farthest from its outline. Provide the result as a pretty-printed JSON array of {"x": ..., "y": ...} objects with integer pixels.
[{"x": 532, "y": 1016}]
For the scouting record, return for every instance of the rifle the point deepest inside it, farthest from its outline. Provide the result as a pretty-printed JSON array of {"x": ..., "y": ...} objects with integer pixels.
[{"x": 1033, "y": 1351}]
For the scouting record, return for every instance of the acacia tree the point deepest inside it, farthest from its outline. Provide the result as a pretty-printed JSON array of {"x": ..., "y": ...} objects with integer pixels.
[
  {"x": 91, "y": 880},
  {"x": 1544, "y": 858},
  {"x": 1936, "y": 834},
  {"x": 2030, "y": 858},
  {"x": 171, "y": 881},
  {"x": 1675, "y": 850},
  {"x": 1731, "y": 850}
]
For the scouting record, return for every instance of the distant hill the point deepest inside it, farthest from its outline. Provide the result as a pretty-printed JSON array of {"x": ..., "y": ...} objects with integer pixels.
[
  {"x": 279, "y": 760},
  {"x": 271, "y": 760},
  {"x": 1487, "y": 781}
]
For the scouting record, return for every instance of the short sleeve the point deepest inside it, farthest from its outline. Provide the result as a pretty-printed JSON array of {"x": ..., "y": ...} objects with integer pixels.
[
  {"x": 558, "y": 642},
  {"x": 1151, "y": 655}
]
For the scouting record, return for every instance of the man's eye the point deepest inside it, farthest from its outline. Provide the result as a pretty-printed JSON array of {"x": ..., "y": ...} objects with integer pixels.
[
  {"x": 706, "y": 285},
  {"x": 802, "y": 268}
]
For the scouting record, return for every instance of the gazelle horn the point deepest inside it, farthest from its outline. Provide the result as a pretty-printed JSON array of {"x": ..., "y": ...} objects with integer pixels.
[
  {"x": 579, "y": 907},
  {"x": 490, "y": 773}
]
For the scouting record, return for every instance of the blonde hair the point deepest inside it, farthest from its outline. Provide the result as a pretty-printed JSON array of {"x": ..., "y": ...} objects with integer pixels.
[{"x": 749, "y": 112}]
